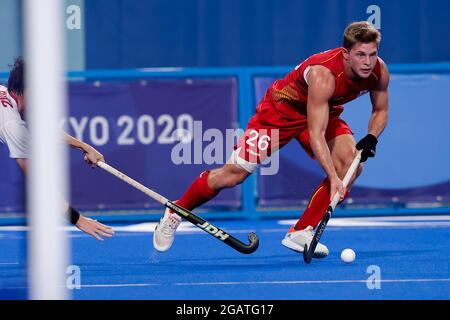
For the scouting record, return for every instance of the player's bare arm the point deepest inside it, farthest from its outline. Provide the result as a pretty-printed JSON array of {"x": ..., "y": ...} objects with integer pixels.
[
  {"x": 87, "y": 225},
  {"x": 92, "y": 156},
  {"x": 380, "y": 104},
  {"x": 379, "y": 118},
  {"x": 321, "y": 86}
]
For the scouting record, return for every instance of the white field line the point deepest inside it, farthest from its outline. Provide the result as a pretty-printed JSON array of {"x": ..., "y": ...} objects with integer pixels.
[
  {"x": 377, "y": 222},
  {"x": 234, "y": 283},
  {"x": 305, "y": 282}
]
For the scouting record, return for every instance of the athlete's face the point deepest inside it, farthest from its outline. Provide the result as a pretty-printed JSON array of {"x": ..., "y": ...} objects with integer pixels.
[{"x": 362, "y": 58}]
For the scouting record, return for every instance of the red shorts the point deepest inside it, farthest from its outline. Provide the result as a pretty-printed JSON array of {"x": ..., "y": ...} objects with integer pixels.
[{"x": 267, "y": 131}]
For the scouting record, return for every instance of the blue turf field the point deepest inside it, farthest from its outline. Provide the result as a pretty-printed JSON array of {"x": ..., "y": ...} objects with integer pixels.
[{"x": 412, "y": 254}]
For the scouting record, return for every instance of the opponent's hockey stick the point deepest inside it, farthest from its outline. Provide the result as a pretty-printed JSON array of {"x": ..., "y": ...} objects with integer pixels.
[
  {"x": 309, "y": 252},
  {"x": 186, "y": 214}
]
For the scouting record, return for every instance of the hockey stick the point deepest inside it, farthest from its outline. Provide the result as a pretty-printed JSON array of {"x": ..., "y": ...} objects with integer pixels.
[
  {"x": 186, "y": 214},
  {"x": 309, "y": 252}
]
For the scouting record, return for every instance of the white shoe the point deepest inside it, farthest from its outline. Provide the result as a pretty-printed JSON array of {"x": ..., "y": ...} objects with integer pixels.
[
  {"x": 165, "y": 231},
  {"x": 296, "y": 241}
]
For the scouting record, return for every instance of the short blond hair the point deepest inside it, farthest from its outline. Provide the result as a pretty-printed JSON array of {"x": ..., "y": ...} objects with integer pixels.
[{"x": 360, "y": 31}]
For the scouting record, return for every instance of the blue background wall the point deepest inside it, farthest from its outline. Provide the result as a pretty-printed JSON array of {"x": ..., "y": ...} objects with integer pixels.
[
  {"x": 135, "y": 33},
  {"x": 10, "y": 26}
]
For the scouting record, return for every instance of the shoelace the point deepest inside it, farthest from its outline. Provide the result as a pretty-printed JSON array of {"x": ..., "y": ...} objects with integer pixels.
[{"x": 168, "y": 228}]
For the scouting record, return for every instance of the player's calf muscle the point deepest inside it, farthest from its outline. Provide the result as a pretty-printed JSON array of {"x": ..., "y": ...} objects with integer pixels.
[{"x": 227, "y": 176}]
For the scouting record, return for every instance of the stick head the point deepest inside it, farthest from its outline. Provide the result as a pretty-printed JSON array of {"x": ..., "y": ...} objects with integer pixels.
[
  {"x": 306, "y": 256},
  {"x": 254, "y": 243}
]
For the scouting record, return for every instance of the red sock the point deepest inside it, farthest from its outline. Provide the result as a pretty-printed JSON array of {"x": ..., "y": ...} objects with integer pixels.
[
  {"x": 316, "y": 208},
  {"x": 198, "y": 193}
]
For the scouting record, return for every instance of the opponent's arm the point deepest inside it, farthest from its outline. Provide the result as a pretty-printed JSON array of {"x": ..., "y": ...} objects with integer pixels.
[
  {"x": 87, "y": 225},
  {"x": 92, "y": 156},
  {"x": 379, "y": 118},
  {"x": 321, "y": 86}
]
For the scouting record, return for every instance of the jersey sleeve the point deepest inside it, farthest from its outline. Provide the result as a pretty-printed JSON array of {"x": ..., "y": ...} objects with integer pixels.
[{"x": 15, "y": 135}]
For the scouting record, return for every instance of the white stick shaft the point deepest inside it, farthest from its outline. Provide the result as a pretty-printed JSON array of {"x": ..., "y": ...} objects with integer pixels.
[
  {"x": 350, "y": 172},
  {"x": 152, "y": 194}
]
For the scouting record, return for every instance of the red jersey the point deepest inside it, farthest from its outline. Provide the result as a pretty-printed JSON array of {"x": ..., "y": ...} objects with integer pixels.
[{"x": 289, "y": 95}]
